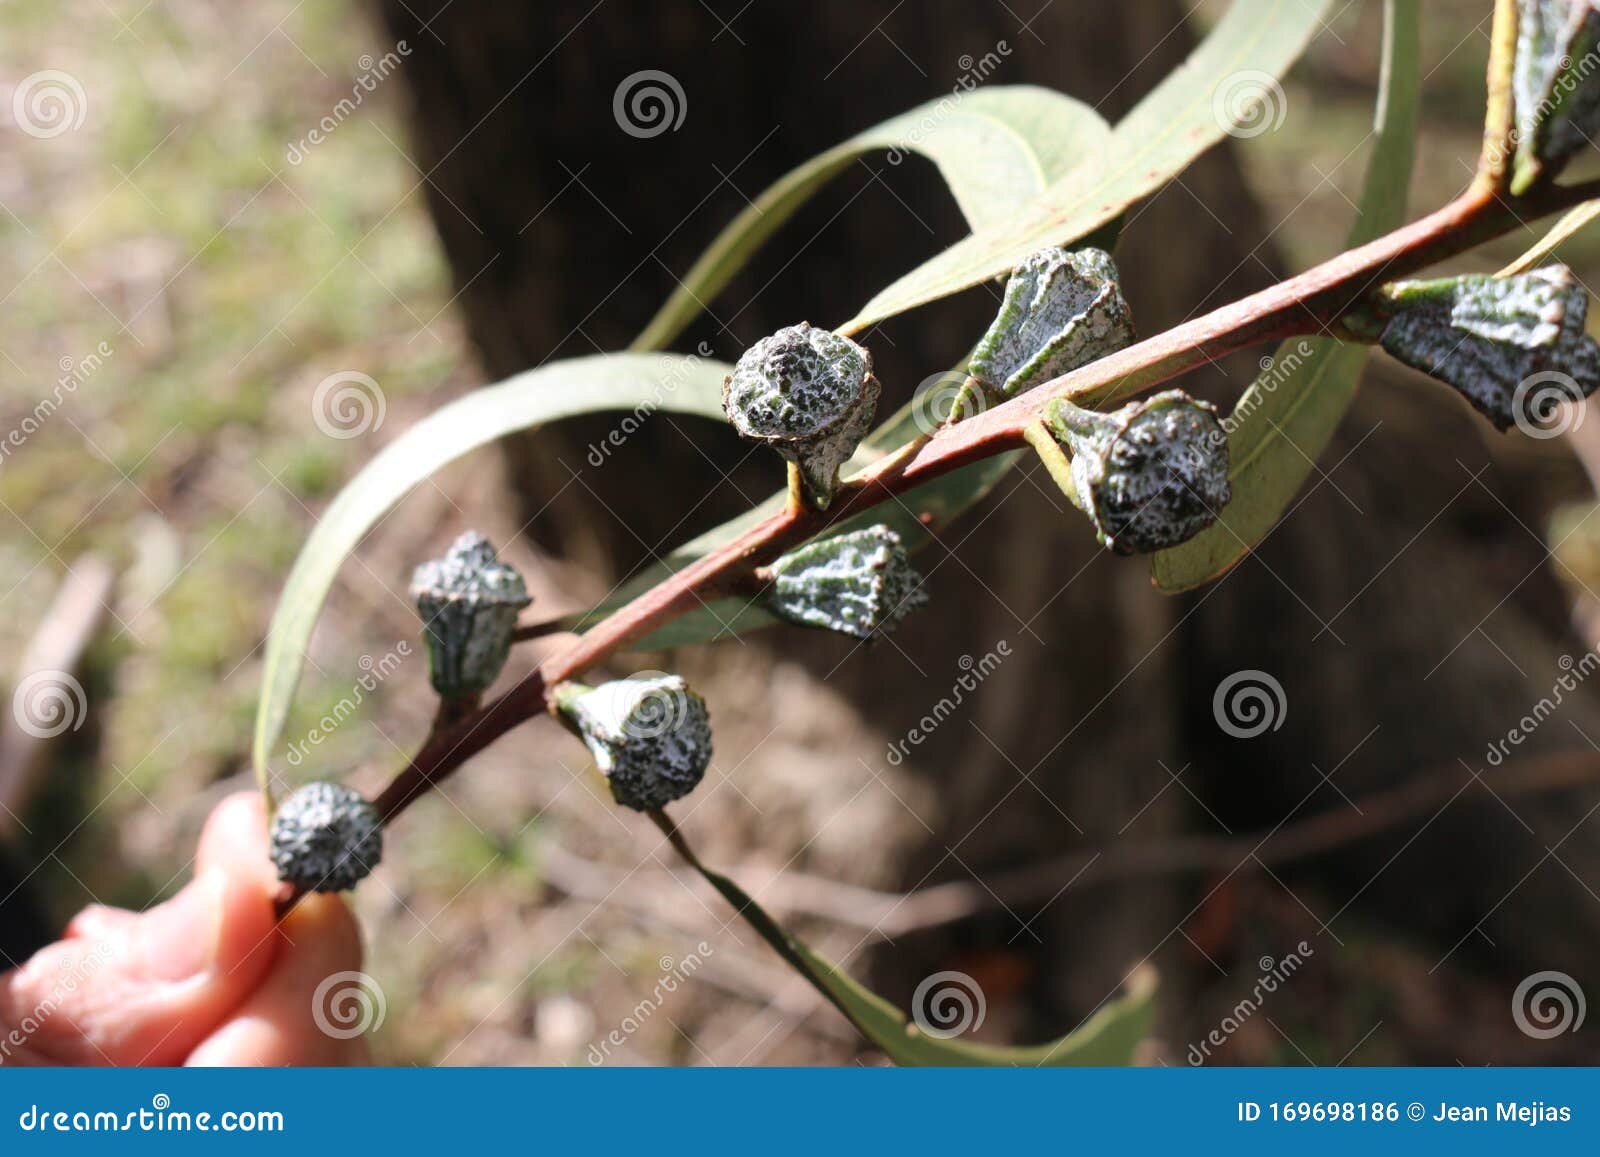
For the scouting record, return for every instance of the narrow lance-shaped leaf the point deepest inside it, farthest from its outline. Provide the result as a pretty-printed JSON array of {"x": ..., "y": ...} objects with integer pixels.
[
  {"x": 1572, "y": 222},
  {"x": 1284, "y": 421},
  {"x": 995, "y": 147},
  {"x": 1187, "y": 113},
  {"x": 1109, "y": 1037}
]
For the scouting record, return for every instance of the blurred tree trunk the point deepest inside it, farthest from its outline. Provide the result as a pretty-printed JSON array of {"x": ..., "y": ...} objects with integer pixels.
[{"x": 566, "y": 232}]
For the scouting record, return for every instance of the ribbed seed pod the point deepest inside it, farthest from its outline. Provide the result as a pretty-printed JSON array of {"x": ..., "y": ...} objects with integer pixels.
[
  {"x": 1150, "y": 475},
  {"x": 1488, "y": 336},
  {"x": 1061, "y": 310},
  {"x": 650, "y": 735},
  {"x": 810, "y": 395},
  {"x": 469, "y": 602},
  {"x": 326, "y": 838},
  {"x": 1554, "y": 85},
  {"x": 860, "y": 584}
]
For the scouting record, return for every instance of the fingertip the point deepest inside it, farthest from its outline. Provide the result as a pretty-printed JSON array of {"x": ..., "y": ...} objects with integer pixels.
[
  {"x": 291, "y": 1019},
  {"x": 322, "y": 933},
  {"x": 246, "y": 939},
  {"x": 235, "y": 840}
]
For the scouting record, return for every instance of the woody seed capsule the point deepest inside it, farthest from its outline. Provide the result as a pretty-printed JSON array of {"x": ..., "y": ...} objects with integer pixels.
[
  {"x": 1150, "y": 475},
  {"x": 468, "y": 601},
  {"x": 1061, "y": 310},
  {"x": 650, "y": 736},
  {"x": 861, "y": 584},
  {"x": 810, "y": 395}
]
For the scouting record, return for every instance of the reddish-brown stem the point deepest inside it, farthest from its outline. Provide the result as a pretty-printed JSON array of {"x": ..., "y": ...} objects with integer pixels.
[{"x": 1311, "y": 303}]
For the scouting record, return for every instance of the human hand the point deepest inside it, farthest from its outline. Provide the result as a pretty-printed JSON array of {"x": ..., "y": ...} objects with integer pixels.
[{"x": 206, "y": 978}]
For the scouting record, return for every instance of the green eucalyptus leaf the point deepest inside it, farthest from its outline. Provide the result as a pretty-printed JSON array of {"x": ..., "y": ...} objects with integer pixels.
[
  {"x": 1571, "y": 223},
  {"x": 1284, "y": 421},
  {"x": 995, "y": 147},
  {"x": 679, "y": 383},
  {"x": 1187, "y": 113},
  {"x": 1109, "y": 1037}
]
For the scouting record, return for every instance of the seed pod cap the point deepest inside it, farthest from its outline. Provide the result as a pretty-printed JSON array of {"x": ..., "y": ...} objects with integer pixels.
[
  {"x": 810, "y": 395},
  {"x": 1152, "y": 474},
  {"x": 468, "y": 601},
  {"x": 861, "y": 584},
  {"x": 1062, "y": 309},
  {"x": 650, "y": 736},
  {"x": 326, "y": 838},
  {"x": 1509, "y": 345}
]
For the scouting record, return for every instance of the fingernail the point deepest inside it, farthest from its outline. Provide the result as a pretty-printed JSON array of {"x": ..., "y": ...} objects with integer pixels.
[{"x": 179, "y": 938}]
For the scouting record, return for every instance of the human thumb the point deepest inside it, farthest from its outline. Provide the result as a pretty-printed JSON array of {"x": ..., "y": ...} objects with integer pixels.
[{"x": 128, "y": 988}]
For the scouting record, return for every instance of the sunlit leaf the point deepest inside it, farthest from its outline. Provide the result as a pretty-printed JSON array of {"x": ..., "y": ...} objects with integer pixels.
[
  {"x": 1284, "y": 421},
  {"x": 1230, "y": 78},
  {"x": 995, "y": 147}
]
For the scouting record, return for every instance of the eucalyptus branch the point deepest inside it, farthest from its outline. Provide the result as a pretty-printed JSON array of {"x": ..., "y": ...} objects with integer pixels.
[
  {"x": 1321, "y": 300},
  {"x": 1313, "y": 302}
]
